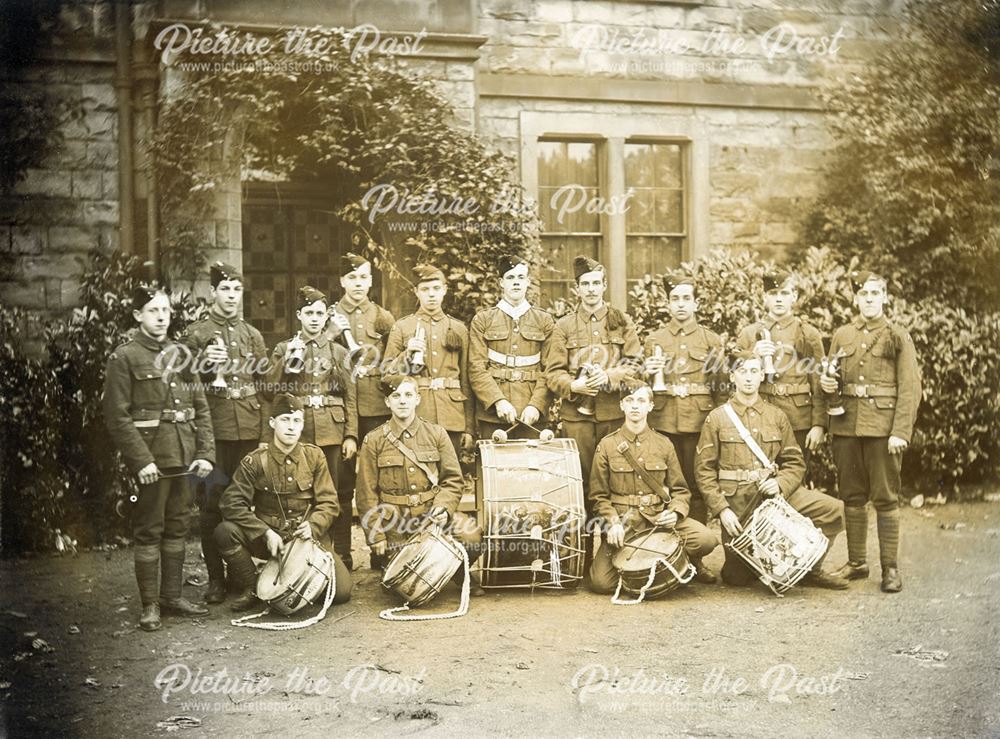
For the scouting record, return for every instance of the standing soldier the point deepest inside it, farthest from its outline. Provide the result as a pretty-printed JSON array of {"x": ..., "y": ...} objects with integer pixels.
[
  {"x": 691, "y": 359},
  {"x": 317, "y": 371},
  {"x": 408, "y": 473},
  {"x": 236, "y": 358},
  {"x": 794, "y": 350},
  {"x": 592, "y": 351},
  {"x": 507, "y": 343},
  {"x": 367, "y": 324},
  {"x": 281, "y": 490},
  {"x": 732, "y": 472},
  {"x": 879, "y": 395},
  {"x": 159, "y": 420},
  {"x": 628, "y": 502},
  {"x": 434, "y": 348}
]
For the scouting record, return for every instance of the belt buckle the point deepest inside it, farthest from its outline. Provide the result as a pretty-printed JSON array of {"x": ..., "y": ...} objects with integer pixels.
[
  {"x": 515, "y": 375},
  {"x": 437, "y": 383},
  {"x": 861, "y": 391},
  {"x": 414, "y": 500},
  {"x": 648, "y": 499},
  {"x": 510, "y": 360},
  {"x": 781, "y": 390},
  {"x": 235, "y": 393},
  {"x": 681, "y": 391},
  {"x": 315, "y": 401}
]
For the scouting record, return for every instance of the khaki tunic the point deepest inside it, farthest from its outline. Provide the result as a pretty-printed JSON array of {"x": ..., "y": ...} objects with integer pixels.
[{"x": 370, "y": 324}]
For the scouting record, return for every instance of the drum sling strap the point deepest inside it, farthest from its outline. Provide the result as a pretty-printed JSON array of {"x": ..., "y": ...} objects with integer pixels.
[
  {"x": 432, "y": 476},
  {"x": 331, "y": 585},
  {"x": 757, "y": 452}
]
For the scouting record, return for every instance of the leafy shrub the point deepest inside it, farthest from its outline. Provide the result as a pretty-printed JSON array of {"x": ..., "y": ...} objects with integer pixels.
[
  {"x": 954, "y": 440},
  {"x": 60, "y": 467}
]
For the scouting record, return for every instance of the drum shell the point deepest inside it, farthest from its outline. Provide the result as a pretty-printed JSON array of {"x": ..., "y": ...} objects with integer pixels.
[
  {"x": 300, "y": 578},
  {"x": 634, "y": 571},
  {"x": 532, "y": 513},
  {"x": 423, "y": 566}
]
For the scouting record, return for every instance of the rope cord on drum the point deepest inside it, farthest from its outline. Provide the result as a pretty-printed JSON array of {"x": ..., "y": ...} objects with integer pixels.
[{"x": 392, "y": 614}]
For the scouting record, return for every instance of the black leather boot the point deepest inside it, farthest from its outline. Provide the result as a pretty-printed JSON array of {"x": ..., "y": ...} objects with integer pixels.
[
  {"x": 147, "y": 576},
  {"x": 172, "y": 574},
  {"x": 243, "y": 573}
]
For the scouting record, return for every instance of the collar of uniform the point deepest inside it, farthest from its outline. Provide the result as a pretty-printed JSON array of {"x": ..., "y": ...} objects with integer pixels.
[
  {"x": 398, "y": 429},
  {"x": 221, "y": 320},
  {"x": 635, "y": 438},
  {"x": 782, "y": 323},
  {"x": 514, "y": 312},
  {"x": 676, "y": 327},
  {"x": 147, "y": 341},
  {"x": 421, "y": 313},
  {"x": 278, "y": 457},
  {"x": 321, "y": 340},
  {"x": 346, "y": 306},
  {"x": 875, "y": 323},
  {"x": 741, "y": 409},
  {"x": 599, "y": 314}
]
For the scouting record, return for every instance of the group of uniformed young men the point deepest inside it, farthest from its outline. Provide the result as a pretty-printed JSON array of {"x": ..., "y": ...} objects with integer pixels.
[{"x": 359, "y": 407}]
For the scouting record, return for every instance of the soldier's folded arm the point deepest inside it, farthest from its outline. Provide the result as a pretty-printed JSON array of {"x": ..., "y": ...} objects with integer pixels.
[
  {"x": 326, "y": 508},
  {"x": 116, "y": 402}
]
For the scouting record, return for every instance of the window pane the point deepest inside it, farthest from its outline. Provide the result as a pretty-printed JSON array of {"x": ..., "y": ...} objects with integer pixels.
[
  {"x": 652, "y": 255},
  {"x": 669, "y": 211},
  {"x": 640, "y": 216},
  {"x": 668, "y": 165},
  {"x": 639, "y": 165}
]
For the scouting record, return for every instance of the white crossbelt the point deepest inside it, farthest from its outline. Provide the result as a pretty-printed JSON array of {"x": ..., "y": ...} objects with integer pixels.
[
  {"x": 745, "y": 435},
  {"x": 509, "y": 360}
]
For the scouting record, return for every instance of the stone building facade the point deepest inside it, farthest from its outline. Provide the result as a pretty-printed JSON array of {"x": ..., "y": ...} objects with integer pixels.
[{"x": 689, "y": 125}]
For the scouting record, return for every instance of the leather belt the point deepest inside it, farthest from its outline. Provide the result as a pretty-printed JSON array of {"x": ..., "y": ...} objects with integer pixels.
[
  {"x": 233, "y": 393},
  {"x": 514, "y": 375},
  {"x": 685, "y": 389},
  {"x": 321, "y": 401},
  {"x": 177, "y": 416},
  {"x": 744, "y": 475},
  {"x": 635, "y": 501},
  {"x": 785, "y": 388},
  {"x": 852, "y": 390},
  {"x": 438, "y": 383},
  {"x": 417, "y": 502},
  {"x": 513, "y": 360}
]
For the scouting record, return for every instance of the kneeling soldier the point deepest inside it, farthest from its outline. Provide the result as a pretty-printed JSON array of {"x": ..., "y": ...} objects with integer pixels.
[
  {"x": 408, "y": 475},
  {"x": 159, "y": 420},
  {"x": 279, "y": 491},
  {"x": 628, "y": 503},
  {"x": 731, "y": 472}
]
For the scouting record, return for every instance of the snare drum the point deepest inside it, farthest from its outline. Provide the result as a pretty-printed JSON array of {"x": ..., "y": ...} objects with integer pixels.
[
  {"x": 532, "y": 513},
  {"x": 423, "y": 566},
  {"x": 651, "y": 563},
  {"x": 298, "y": 578},
  {"x": 779, "y": 544}
]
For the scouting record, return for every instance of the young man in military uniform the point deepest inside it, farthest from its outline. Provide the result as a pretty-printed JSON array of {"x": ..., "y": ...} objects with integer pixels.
[
  {"x": 231, "y": 358},
  {"x": 445, "y": 394},
  {"x": 626, "y": 502},
  {"x": 731, "y": 474},
  {"x": 692, "y": 360},
  {"x": 880, "y": 395},
  {"x": 591, "y": 352},
  {"x": 407, "y": 471},
  {"x": 159, "y": 420},
  {"x": 507, "y": 343},
  {"x": 316, "y": 370},
  {"x": 796, "y": 352},
  {"x": 281, "y": 490}
]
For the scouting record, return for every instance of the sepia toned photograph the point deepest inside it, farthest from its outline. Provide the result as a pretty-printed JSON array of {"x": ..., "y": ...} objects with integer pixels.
[{"x": 557, "y": 368}]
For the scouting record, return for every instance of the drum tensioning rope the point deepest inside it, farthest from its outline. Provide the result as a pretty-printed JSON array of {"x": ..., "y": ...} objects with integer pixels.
[
  {"x": 331, "y": 587},
  {"x": 616, "y": 599},
  {"x": 392, "y": 614}
]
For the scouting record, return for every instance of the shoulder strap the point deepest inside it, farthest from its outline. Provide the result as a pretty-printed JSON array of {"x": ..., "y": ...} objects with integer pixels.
[
  {"x": 410, "y": 455},
  {"x": 655, "y": 485},
  {"x": 745, "y": 435}
]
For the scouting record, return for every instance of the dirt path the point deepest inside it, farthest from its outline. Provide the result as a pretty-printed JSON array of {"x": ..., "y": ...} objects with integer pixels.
[{"x": 710, "y": 661}]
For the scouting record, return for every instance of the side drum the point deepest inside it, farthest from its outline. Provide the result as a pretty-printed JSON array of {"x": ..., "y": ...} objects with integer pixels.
[
  {"x": 423, "y": 566},
  {"x": 651, "y": 563},
  {"x": 297, "y": 579},
  {"x": 532, "y": 513}
]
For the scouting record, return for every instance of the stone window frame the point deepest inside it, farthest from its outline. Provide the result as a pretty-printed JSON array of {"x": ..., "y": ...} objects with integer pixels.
[{"x": 612, "y": 130}]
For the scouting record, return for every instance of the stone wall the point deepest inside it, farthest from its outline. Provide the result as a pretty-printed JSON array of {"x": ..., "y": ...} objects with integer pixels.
[{"x": 68, "y": 204}]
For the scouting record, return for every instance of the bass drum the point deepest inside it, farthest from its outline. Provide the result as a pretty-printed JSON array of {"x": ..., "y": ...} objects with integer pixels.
[
  {"x": 651, "y": 563},
  {"x": 298, "y": 578},
  {"x": 423, "y": 566},
  {"x": 532, "y": 513}
]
